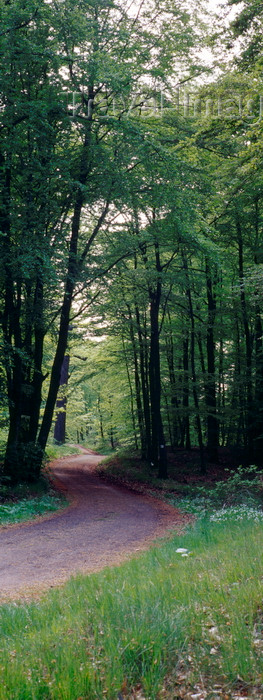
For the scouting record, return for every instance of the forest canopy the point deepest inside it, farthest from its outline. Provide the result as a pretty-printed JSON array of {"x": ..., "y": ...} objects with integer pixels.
[{"x": 131, "y": 228}]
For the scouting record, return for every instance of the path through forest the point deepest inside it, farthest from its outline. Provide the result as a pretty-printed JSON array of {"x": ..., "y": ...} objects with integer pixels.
[{"x": 102, "y": 525}]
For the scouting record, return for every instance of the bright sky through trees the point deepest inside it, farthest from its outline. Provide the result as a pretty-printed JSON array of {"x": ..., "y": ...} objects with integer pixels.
[{"x": 217, "y": 5}]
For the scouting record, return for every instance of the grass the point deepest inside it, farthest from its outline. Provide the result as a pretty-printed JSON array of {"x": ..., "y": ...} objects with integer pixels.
[
  {"x": 54, "y": 451},
  {"x": 160, "y": 626},
  {"x": 29, "y": 508},
  {"x": 99, "y": 445},
  {"x": 25, "y": 502},
  {"x": 184, "y": 620}
]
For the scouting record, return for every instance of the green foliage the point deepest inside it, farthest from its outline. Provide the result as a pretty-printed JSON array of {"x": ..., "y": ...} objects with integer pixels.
[
  {"x": 130, "y": 199},
  {"x": 66, "y": 170},
  {"x": 57, "y": 451},
  {"x": 243, "y": 486},
  {"x": 25, "y": 501},
  {"x": 98, "y": 397},
  {"x": 30, "y": 508},
  {"x": 237, "y": 497}
]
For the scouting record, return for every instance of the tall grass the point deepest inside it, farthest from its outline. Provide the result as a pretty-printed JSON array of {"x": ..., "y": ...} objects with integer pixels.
[
  {"x": 160, "y": 618},
  {"x": 54, "y": 451}
]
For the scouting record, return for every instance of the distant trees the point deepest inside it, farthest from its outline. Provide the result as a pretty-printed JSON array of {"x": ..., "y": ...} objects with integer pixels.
[
  {"x": 65, "y": 163},
  {"x": 197, "y": 227},
  {"x": 124, "y": 208}
]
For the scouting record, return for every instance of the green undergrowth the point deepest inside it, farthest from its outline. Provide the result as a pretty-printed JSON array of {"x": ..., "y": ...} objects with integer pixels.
[
  {"x": 54, "y": 451},
  {"x": 30, "y": 508},
  {"x": 133, "y": 471},
  {"x": 239, "y": 487},
  {"x": 26, "y": 501},
  {"x": 183, "y": 616},
  {"x": 101, "y": 446}
]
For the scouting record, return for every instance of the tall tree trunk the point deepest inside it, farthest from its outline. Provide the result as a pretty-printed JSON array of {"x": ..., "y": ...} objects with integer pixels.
[
  {"x": 192, "y": 355},
  {"x": 131, "y": 394},
  {"x": 258, "y": 406},
  {"x": 143, "y": 360},
  {"x": 158, "y": 453},
  {"x": 212, "y": 419},
  {"x": 111, "y": 430},
  {"x": 101, "y": 419},
  {"x": 143, "y": 348},
  {"x": 185, "y": 436},
  {"x": 11, "y": 332},
  {"x": 248, "y": 344},
  {"x": 258, "y": 410},
  {"x": 236, "y": 432},
  {"x": 176, "y": 427},
  {"x": 140, "y": 412},
  {"x": 221, "y": 372},
  {"x": 38, "y": 378},
  {"x": 61, "y": 404}
]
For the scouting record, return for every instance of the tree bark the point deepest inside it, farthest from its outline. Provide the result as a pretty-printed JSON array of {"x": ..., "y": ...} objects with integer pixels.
[
  {"x": 211, "y": 405},
  {"x": 131, "y": 394},
  {"x": 176, "y": 423},
  {"x": 158, "y": 449},
  {"x": 194, "y": 377},
  {"x": 144, "y": 383},
  {"x": 140, "y": 413},
  {"x": 61, "y": 404},
  {"x": 185, "y": 438},
  {"x": 248, "y": 344}
]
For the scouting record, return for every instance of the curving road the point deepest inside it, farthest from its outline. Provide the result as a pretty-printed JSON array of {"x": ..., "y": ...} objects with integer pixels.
[{"x": 102, "y": 526}]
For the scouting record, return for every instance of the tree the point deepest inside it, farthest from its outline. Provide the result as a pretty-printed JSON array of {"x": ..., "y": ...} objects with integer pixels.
[
  {"x": 30, "y": 217},
  {"x": 63, "y": 173},
  {"x": 61, "y": 404}
]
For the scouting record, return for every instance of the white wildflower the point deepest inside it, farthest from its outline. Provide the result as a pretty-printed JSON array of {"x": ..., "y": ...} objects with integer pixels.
[{"x": 241, "y": 512}]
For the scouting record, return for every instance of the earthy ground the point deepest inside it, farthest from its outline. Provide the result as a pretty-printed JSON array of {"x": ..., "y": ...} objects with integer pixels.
[{"x": 102, "y": 526}]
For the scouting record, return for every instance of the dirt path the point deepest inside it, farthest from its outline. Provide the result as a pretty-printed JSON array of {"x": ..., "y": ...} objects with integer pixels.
[{"x": 102, "y": 526}]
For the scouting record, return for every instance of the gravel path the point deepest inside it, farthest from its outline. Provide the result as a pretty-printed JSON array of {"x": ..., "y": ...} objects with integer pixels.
[{"x": 101, "y": 527}]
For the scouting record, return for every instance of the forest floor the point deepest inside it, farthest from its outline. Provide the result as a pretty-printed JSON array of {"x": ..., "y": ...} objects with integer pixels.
[
  {"x": 184, "y": 473},
  {"x": 102, "y": 525}
]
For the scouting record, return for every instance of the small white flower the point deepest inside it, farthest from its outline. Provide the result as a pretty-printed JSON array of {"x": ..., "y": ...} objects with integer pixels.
[
  {"x": 214, "y": 633},
  {"x": 181, "y": 550}
]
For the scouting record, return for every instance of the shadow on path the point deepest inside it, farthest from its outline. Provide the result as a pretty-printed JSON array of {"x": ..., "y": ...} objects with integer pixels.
[{"x": 101, "y": 527}]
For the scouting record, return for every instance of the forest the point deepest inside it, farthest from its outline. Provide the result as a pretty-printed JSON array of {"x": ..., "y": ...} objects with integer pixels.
[{"x": 131, "y": 228}]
